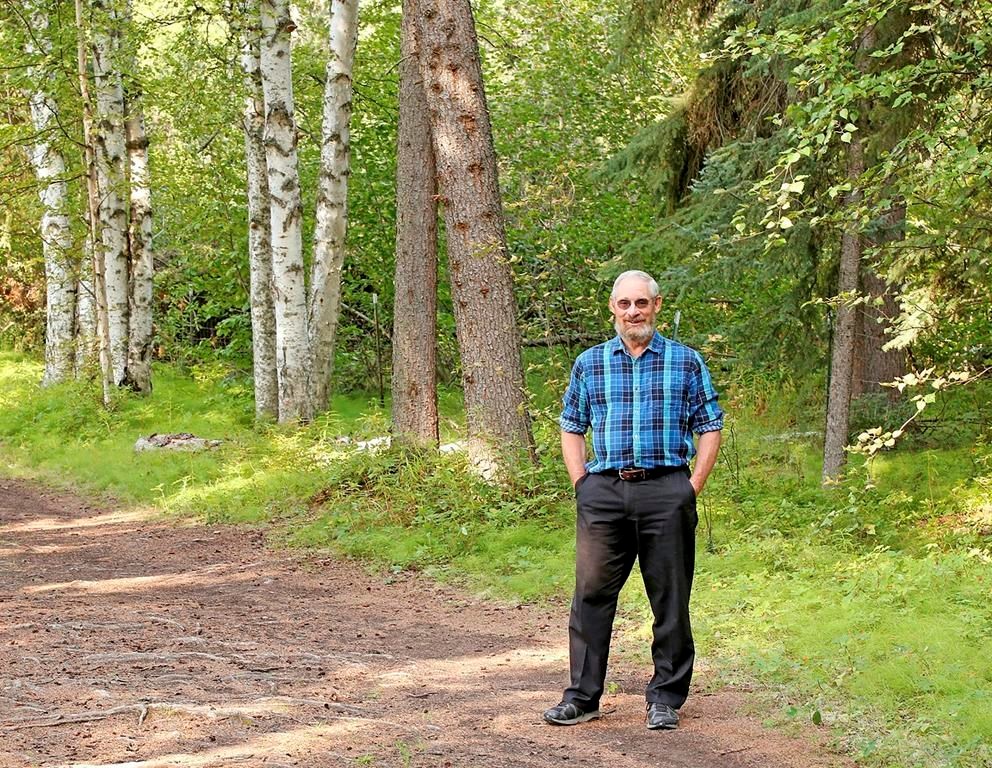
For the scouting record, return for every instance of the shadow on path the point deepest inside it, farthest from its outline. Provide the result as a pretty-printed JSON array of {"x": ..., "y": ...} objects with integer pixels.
[{"x": 129, "y": 641}]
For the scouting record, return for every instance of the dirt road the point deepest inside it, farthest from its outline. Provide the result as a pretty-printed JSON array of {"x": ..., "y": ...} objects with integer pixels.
[{"x": 131, "y": 641}]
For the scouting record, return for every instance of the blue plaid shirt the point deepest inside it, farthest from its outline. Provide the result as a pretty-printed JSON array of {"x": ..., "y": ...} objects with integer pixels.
[{"x": 642, "y": 410}]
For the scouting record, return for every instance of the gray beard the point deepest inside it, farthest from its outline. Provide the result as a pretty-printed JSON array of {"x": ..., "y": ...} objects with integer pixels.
[{"x": 637, "y": 335}]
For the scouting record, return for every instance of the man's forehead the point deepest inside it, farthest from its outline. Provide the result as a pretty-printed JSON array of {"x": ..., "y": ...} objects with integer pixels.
[{"x": 632, "y": 288}]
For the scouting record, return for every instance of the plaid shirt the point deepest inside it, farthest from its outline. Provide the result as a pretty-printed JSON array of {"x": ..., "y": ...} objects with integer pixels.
[{"x": 642, "y": 410}]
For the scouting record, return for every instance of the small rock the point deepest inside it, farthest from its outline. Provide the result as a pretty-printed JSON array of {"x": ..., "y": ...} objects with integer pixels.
[{"x": 180, "y": 441}]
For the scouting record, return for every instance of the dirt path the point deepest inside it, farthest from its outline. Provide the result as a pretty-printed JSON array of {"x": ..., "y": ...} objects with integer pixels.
[{"x": 129, "y": 641}]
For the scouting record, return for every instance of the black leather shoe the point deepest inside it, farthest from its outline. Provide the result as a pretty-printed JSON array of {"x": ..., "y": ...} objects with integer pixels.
[
  {"x": 569, "y": 713},
  {"x": 662, "y": 717}
]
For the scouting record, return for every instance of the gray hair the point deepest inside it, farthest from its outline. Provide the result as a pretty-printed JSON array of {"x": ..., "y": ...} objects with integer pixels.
[{"x": 653, "y": 288}]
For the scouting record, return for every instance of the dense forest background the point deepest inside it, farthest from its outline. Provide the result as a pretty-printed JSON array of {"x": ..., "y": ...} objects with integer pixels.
[{"x": 810, "y": 181}]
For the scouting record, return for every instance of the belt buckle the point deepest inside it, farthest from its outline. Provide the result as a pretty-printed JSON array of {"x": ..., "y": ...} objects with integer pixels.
[{"x": 633, "y": 474}]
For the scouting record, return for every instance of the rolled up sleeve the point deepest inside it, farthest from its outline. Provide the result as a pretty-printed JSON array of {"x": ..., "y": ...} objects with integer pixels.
[
  {"x": 575, "y": 410},
  {"x": 705, "y": 413}
]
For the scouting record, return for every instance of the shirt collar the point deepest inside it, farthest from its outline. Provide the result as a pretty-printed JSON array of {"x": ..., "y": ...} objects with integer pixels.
[{"x": 656, "y": 345}]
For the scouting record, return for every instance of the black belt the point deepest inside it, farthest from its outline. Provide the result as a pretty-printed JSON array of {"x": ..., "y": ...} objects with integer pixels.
[{"x": 636, "y": 474}]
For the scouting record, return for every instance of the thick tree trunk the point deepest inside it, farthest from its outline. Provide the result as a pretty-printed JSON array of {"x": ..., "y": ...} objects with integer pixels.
[
  {"x": 263, "y": 323},
  {"x": 414, "y": 385},
  {"x": 842, "y": 353},
  {"x": 56, "y": 239},
  {"x": 139, "y": 358},
  {"x": 874, "y": 365},
  {"x": 111, "y": 155},
  {"x": 290, "y": 299},
  {"x": 481, "y": 281},
  {"x": 94, "y": 239},
  {"x": 332, "y": 200}
]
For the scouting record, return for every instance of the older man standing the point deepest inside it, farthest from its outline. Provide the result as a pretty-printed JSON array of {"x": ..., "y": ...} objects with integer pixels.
[{"x": 643, "y": 396}]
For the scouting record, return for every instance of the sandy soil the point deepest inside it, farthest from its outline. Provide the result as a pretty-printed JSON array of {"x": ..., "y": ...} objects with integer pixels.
[{"x": 130, "y": 641}]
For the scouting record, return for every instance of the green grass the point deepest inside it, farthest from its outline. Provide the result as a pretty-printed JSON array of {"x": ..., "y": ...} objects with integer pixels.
[{"x": 866, "y": 607}]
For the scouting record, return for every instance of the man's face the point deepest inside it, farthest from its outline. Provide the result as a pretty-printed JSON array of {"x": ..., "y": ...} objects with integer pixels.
[{"x": 634, "y": 310}]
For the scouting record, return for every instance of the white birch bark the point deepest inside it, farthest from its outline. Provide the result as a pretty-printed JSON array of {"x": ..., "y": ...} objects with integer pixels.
[
  {"x": 332, "y": 199},
  {"x": 285, "y": 207},
  {"x": 94, "y": 240},
  {"x": 139, "y": 354},
  {"x": 263, "y": 328},
  {"x": 87, "y": 343},
  {"x": 56, "y": 239},
  {"x": 111, "y": 158}
]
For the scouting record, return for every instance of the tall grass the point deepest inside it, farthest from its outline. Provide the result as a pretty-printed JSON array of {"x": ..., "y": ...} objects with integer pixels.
[{"x": 865, "y": 608}]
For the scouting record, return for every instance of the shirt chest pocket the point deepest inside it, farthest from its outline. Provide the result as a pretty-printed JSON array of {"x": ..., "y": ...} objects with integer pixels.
[{"x": 672, "y": 398}]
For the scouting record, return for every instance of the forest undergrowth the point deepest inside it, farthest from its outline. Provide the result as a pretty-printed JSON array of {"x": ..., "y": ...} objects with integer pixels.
[{"x": 865, "y": 608}]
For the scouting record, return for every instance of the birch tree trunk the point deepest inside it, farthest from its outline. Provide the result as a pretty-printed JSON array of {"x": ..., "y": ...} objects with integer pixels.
[
  {"x": 56, "y": 239},
  {"x": 139, "y": 357},
  {"x": 111, "y": 157},
  {"x": 332, "y": 199},
  {"x": 94, "y": 239},
  {"x": 263, "y": 323},
  {"x": 290, "y": 299},
  {"x": 87, "y": 339},
  {"x": 481, "y": 282},
  {"x": 414, "y": 386}
]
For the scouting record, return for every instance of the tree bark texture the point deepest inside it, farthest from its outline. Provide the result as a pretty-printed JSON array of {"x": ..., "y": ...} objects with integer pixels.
[
  {"x": 87, "y": 334},
  {"x": 263, "y": 327},
  {"x": 111, "y": 156},
  {"x": 332, "y": 199},
  {"x": 845, "y": 323},
  {"x": 414, "y": 385},
  {"x": 285, "y": 208},
  {"x": 139, "y": 357},
  {"x": 56, "y": 238},
  {"x": 481, "y": 281},
  {"x": 874, "y": 365},
  {"x": 842, "y": 352},
  {"x": 95, "y": 238}
]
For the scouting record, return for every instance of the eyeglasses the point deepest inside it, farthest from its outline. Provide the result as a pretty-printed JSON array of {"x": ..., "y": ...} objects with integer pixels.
[{"x": 639, "y": 303}]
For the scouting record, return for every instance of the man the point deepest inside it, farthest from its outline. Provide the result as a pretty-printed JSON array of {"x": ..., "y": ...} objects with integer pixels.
[{"x": 643, "y": 396}]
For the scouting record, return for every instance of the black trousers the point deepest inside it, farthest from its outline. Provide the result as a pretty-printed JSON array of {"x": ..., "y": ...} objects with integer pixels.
[{"x": 655, "y": 522}]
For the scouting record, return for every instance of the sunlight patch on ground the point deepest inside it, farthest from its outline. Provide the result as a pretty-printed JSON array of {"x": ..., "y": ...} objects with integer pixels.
[
  {"x": 38, "y": 550},
  {"x": 449, "y": 673},
  {"x": 212, "y": 576},
  {"x": 58, "y": 523},
  {"x": 299, "y": 742}
]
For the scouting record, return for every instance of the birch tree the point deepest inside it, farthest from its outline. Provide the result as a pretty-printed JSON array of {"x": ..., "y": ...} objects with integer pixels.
[
  {"x": 94, "y": 239},
  {"x": 288, "y": 280},
  {"x": 332, "y": 199},
  {"x": 481, "y": 281},
  {"x": 111, "y": 156},
  {"x": 414, "y": 385},
  {"x": 263, "y": 337},
  {"x": 87, "y": 338},
  {"x": 141, "y": 263},
  {"x": 56, "y": 238}
]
